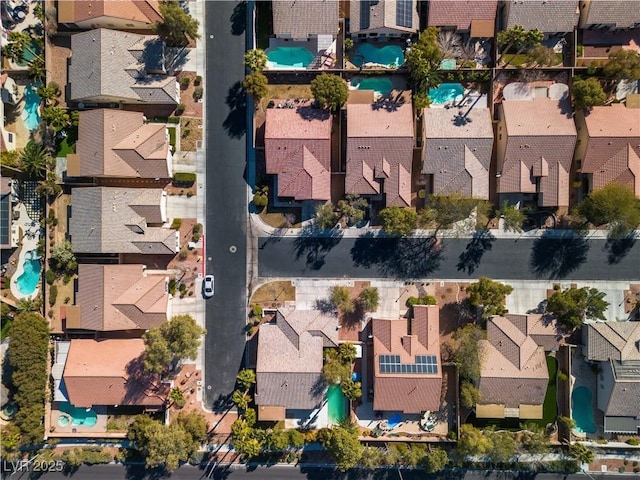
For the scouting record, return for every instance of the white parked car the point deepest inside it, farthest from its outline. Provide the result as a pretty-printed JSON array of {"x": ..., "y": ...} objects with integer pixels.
[{"x": 207, "y": 286}]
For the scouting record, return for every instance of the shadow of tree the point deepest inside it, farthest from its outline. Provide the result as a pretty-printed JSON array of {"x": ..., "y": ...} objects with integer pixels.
[
  {"x": 395, "y": 257},
  {"x": 555, "y": 255},
  {"x": 324, "y": 305},
  {"x": 239, "y": 19},
  {"x": 236, "y": 122},
  {"x": 618, "y": 248},
  {"x": 480, "y": 243},
  {"x": 141, "y": 384},
  {"x": 315, "y": 246}
]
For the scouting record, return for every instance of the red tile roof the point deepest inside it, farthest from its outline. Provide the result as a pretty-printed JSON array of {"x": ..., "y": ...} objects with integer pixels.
[
  {"x": 146, "y": 11},
  {"x": 460, "y": 13},
  {"x": 298, "y": 150}
]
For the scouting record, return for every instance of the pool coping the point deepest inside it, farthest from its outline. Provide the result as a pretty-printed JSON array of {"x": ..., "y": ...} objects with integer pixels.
[{"x": 27, "y": 245}]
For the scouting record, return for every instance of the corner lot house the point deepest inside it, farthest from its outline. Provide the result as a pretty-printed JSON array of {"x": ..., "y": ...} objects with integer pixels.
[
  {"x": 474, "y": 17},
  {"x": 117, "y": 298},
  {"x": 305, "y": 19},
  {"x": 117, "y": 143},
  {"x": 116, "y": 14},
  {"x": 389, "y": 18},
  {"x": 536, "y": 141},
  {"x": 406, "y": 362},
  {"x": 548, "y": 16},
  {"x": 109, "y": 66},
  {"x": 457, "y": 150},
  {"x": 121, "y": 220},
  {"x": 298, "y": 152},
  {"x": 514, "y": 375},
  {"x": 289, "y": 366},
  {"x": 380, "y": 152},
  {"x": 609, "y": 146}
]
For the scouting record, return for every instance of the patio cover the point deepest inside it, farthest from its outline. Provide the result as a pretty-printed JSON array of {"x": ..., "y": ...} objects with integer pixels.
[
  {"x": 489, "y": 411},
  {"x": 482, "y": 28},
  {"x": 268, "y": 413},
  {"x": 531, "y": 412}
]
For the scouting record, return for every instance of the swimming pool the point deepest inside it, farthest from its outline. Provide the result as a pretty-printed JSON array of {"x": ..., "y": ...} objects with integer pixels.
[
  {"x": 29, "y": 52},
  {"x": 289, "y": 58},
  {"x": 337, "y": 404},
  {"x": 582, "y": 410},
  {"x": 446, "y": 92},
  {"x": 389, "y": 55},
  {"x": 30, "y": 278},
  {"x": 380, "y": 85},
  {"x": 31, "y": 110},
  {"x": 76, "y": 416}
]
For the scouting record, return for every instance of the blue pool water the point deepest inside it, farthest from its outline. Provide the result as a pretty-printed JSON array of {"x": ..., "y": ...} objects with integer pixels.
[
  {"x": 30, "y": 112},
  {"x": 336, "y": 404},
  {"x": 582, "y": 411},
  {"x": 380, "y": 85},
  {"x": 446, "y": 92},
  {"x": 30, "y": 52},
  {"x": 289, "y": 58},
  {"x": 79, "y": 416},
  {"x": 29, "y": 279},
  {"x": 389, "y": 55}
]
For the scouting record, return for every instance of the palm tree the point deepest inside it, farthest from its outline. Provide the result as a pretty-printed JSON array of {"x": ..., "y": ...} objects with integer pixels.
[
  {"x": 37, "y": 68},
  {"x": 449, "y": 43},
  {"x": 55, "y": 117},
  {"x": 47, "y": 94},
  {"x": 35, "y": 160},
  {"x": 18, "y": 43}
]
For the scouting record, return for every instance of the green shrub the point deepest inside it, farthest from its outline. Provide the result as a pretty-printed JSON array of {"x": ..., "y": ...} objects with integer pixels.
[
  {"x": 562, "y": 376},
  {"x": 67, "y": 300},
  {"x": 197, "y": 80},
  {"x": 260, "y": 200},
  {"x": 625, "y": 462},
  {"x": 54, "y": 86},
  {"x": 197, "y": 228},
  {"x": 184, "y": 253},
  {"x": 180, "y": 109},
  {"x": 636, "y": 470},
  {"x": 621, "y": 470},
  {"x": 198, "y": 92},
  {"x": 426, "y": 300},
  {"x": 50, "y": 276},
  {"x": 186, "y": 178},
  {"x": 172, "y": 286},
  {"x": 196, "y": 237},
  {"x": 422, "y": 193},
  {"x": 185, "y": 82},
  {"x": 633, "y": 442},
  {"x": 66, "y": 278},
  {"x": 256, "y": 311},
  {"x": 176, "y": 224},
  {"x": 53, "y": 295}
]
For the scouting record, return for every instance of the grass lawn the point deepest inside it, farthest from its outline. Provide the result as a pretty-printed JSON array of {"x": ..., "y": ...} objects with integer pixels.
[
  {"x": 550, "y": 406},
  {"x": 4, "y": 333},
  {"x": 279, "y": 291},
  {"x": 172, "y": 136},
  {"x": 519, "y": 59},
  {"x": 65, "y": 148}
]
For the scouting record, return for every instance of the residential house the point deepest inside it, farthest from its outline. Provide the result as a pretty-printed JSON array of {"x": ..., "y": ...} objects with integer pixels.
[
  {"x": 121, "y": 220},
  {"x": 406, "y": 362},
  {"x": 513, "y": 376},
  {"x": 457, "y": 146},
  {"x": 6, "y": 212},
  {"x": 383, "y": 18},
  {"x": 615, "y": 346},
  {"x": 116, "y": 14},
  {"x": 380, "y": 141},
  {"x": 118, "y": 298},
  {"x": 109, "y": 66},
  {"x": 609, "y": 14},
  {"x": 118, "y": 143},
  {"x": 535, "y": 147},
  {"x": 609, "y": 146},
  {"x": 107, "y": 373},
  {"x": 548, "y": 16},
  {"x": 298, "y": 151},
  {"x": 289, "y": 362},
  {"x": 305, "y": 19},
  {"x": 476, "y": 18}
]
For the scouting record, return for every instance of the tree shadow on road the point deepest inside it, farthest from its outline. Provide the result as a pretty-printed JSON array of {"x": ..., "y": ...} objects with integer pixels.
[
  {"x": 555, "y": 255},
  {"x": 239, "y": 19},
  {"x": 236, "y": 122},
  {"x": 480, "y": 243},
  {"x": 315, "y": 244},
  {"x": 618, "y": 248},
  {"x": 402, "y": 258}
]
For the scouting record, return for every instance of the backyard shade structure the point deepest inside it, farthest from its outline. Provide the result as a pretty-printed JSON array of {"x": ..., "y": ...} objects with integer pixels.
[
  {"x": 407, "y": 369},
  {"x": 110, "y": 372},
  {"x": 298, "y": 151},
  {"x": 118, "y": 143},
  {"x": 289, "y": 361},
  {"x": 299, "y": 19}
]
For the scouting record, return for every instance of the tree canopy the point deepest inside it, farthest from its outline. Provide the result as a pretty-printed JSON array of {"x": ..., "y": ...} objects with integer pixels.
[
  {"x": 614, "y": 205},
  {"x": 325, "y": 217},
  {"x": 519, "y": 38},
  {"x": 171, "y": 342},
  {"x": 623, "y": 65},
  {"x": 398, "y": 221},
  {"x": 256, "y": 85},
  {"x": 176, "y": 26},
  {"x": 352, "y": 209},
  {"x": 490, "y": 295},
  {"x": 34, "y": 160},
  {"x": 345, "y": 447},
  {"x": 423, "y": 60},
  {"x": 466, "y": 351},
  {"x": 445, "y": 210},
  {"x": 246, "y": 378},
  {"x": 573, "y": 306},
  {"x": 62, "y": 260},
  {"x": 341, "y": 298},
  {"x": 369, "y": 298},
  {"x": 587, "y": 93},
  {"x": 255, "y": 60},
  {"x": 512, "y": 217},
  {"x": 435, "y": 461},
  {"x": 330, "y": 91}
]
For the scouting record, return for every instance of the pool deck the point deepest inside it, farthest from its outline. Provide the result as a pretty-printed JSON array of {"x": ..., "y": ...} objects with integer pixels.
[
  {"x": 322, "y": 59},
  {"x": 582, "y": 376},
  {"x": 98, "y": 430},
  {"x": 30, "y": 239}
]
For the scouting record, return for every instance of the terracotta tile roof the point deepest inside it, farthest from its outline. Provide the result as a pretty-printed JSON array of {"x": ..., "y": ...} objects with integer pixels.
[
  {"x": 120, "y": 297},
  {"x": 117, "y": 143},
  {"x": 407, "y": 392},
  {"x": 380, "y": 147},
  {"x": 546, "y": 15},
  {"x": 110, "y": 372},
  {"x": 460, "y": 13},
  {"x": 613, "y": 146},
  {"x": 538, "y": 131},
  {"x": 381, "y": 16},
  {"x": 290, "y": 358},
  {"x": 543, "y": 329},
  {"x": 302, "y": 18},
  {"x": 514, "y": 369},
  {"x": 119, "y": 220},
  {"x": 298, "y": 150},
  {"x": 613, "y": 340},
  {"x": 456, "y": 153},
  {"x": 76, "y": 11},
  {"x": 619, "y": 13}
]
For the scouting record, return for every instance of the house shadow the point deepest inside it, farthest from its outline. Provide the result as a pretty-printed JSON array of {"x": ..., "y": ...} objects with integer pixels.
[
  {"x": 618, "y": 247},
  {"x": 469, "y": 259},
  {"x": 236, "y": 122},
  {"x": 315, "y": 244},
  {"x": 555, "y": 255}
]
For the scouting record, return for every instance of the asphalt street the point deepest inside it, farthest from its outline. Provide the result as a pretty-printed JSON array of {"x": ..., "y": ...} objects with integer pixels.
[
  {"x": 226, "y": 202},
  {"x": 565, "y": 256}
]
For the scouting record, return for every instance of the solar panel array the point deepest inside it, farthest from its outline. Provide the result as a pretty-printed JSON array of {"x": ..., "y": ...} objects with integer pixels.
[
  {"x": 425, "y": 364},
  {"x": 404, "y": 14},
  {"x": 4, "y": 220}
]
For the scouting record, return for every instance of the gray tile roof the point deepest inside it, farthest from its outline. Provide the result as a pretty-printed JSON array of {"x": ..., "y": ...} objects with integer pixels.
[
  {"x": 290, "y": 390},
  {"x": 116, "y": 220},
  {"x": 301, "y": 18},
  {"x": 109, "y": 65},
  {"x": 625, "y": 395},
  {"x": 612, "y": 340},
  {"x": 549, "y": 16},
  {"x": 619, "y": 13}
]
